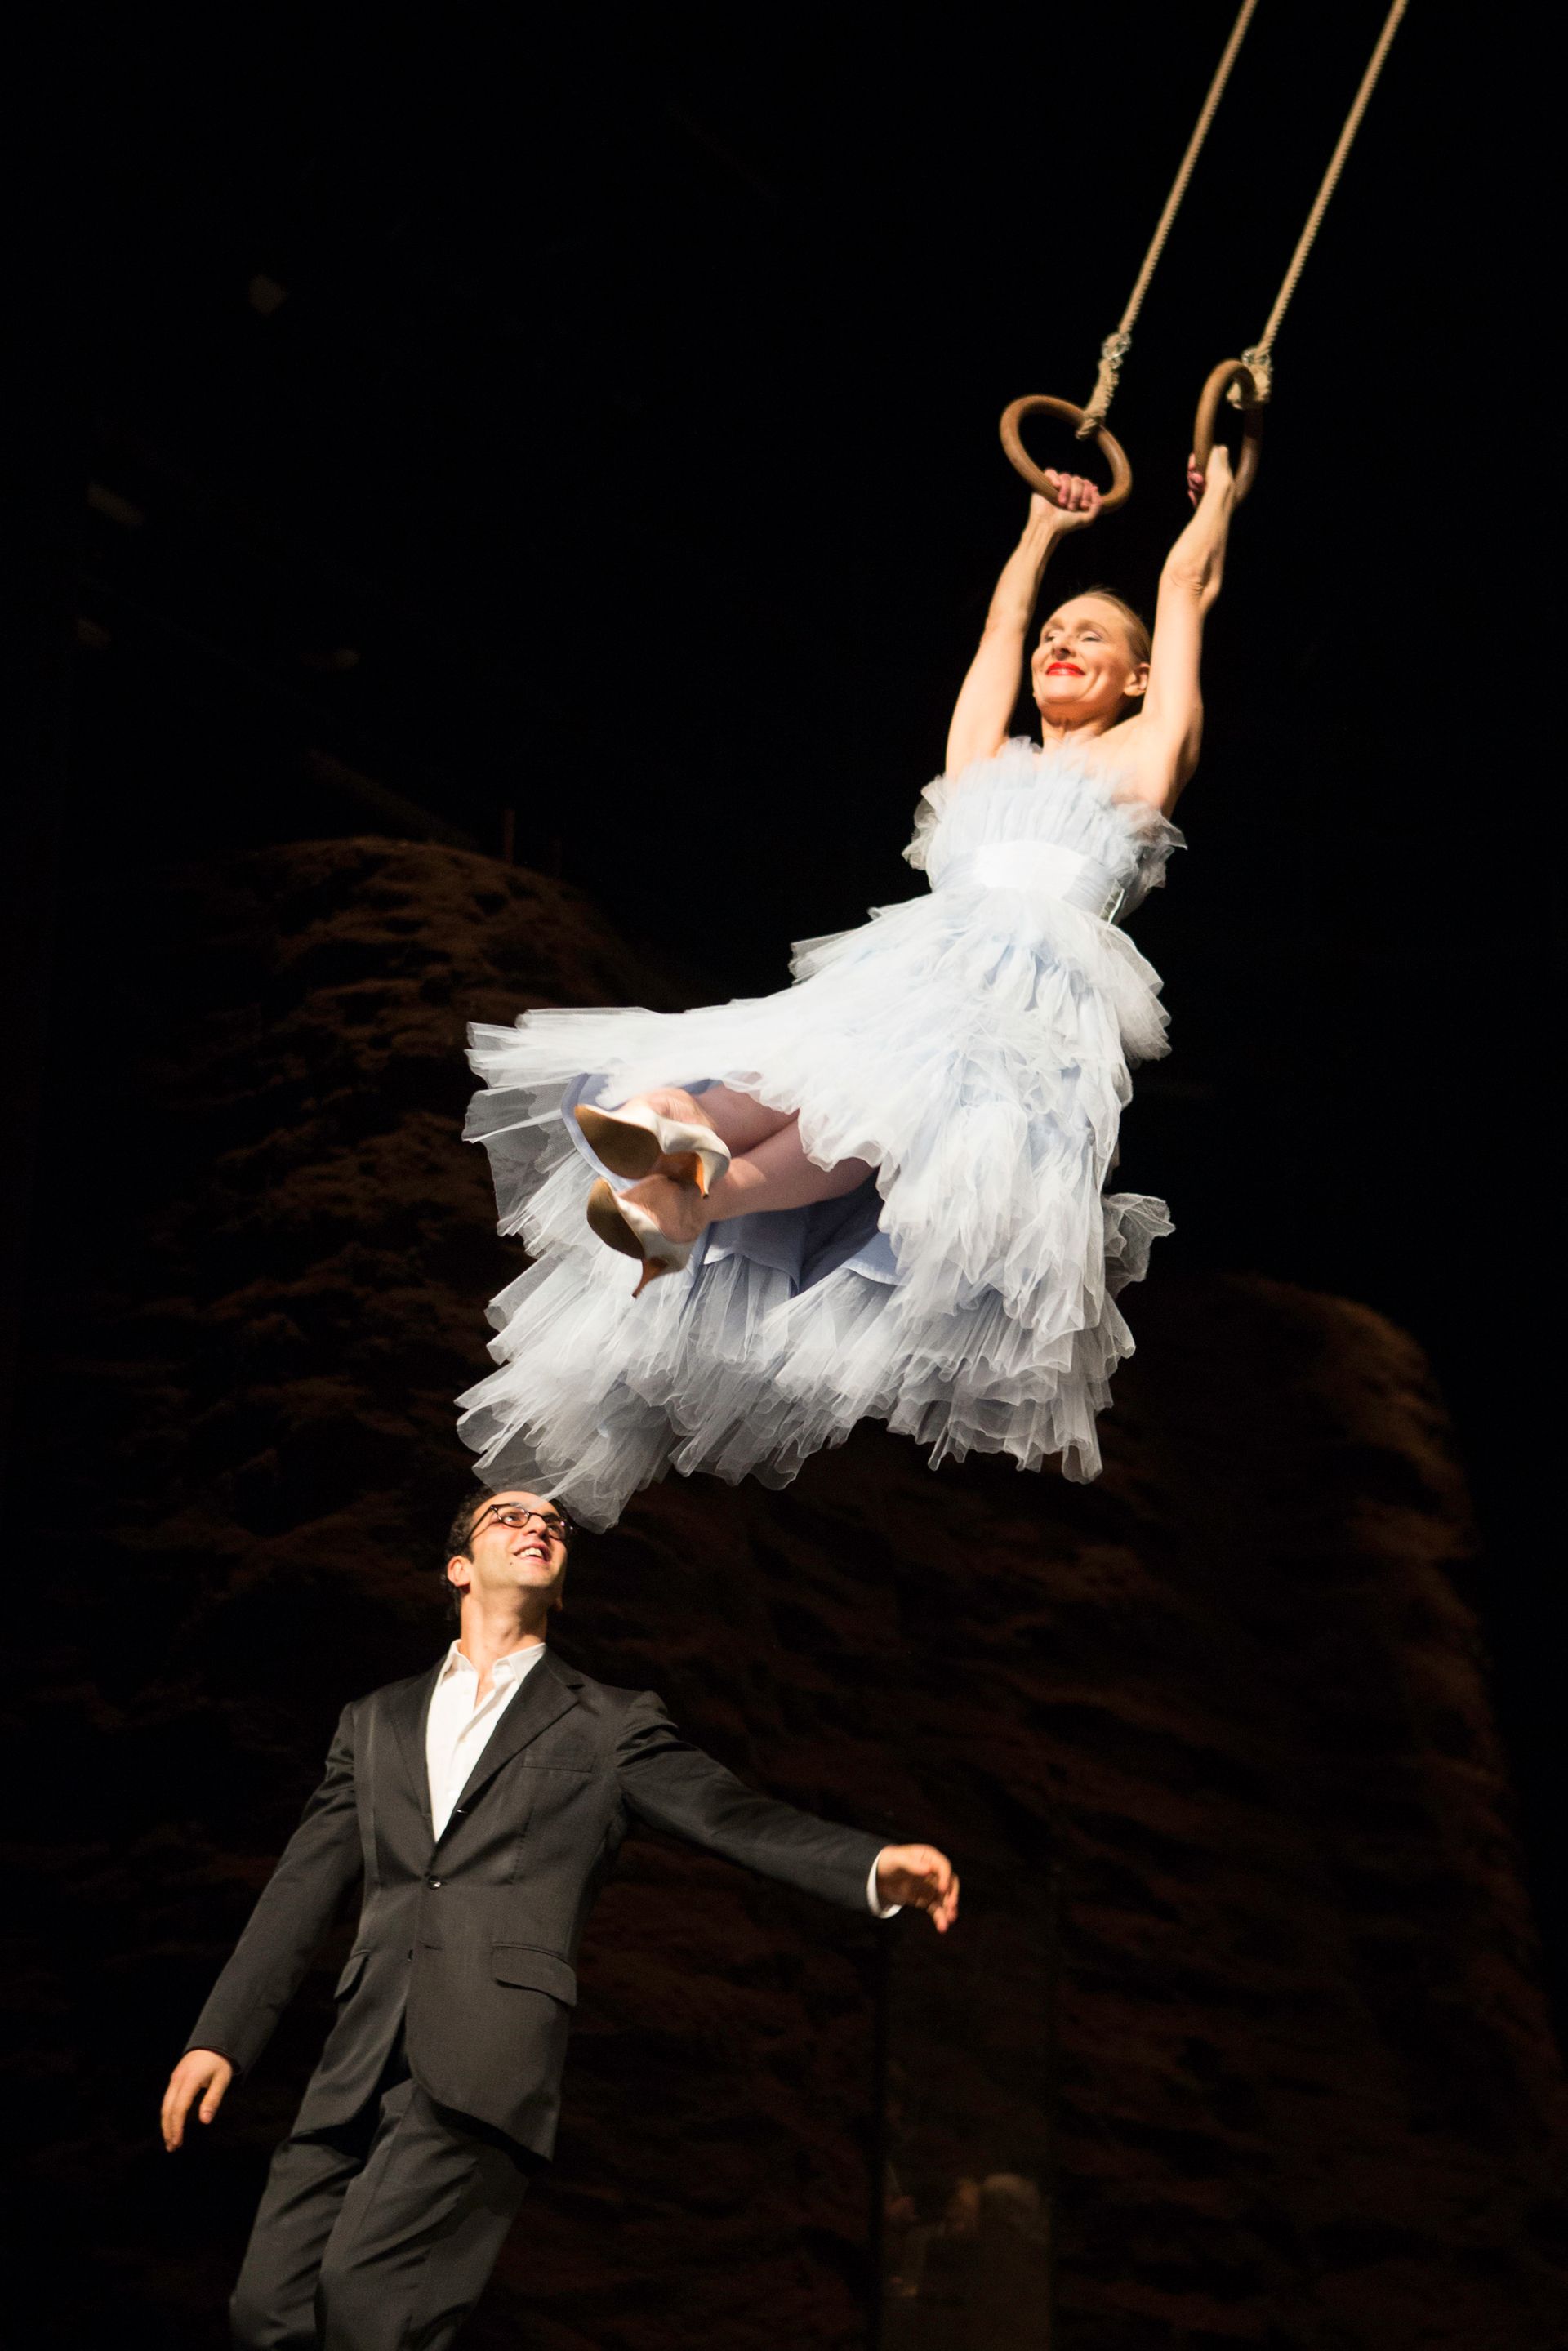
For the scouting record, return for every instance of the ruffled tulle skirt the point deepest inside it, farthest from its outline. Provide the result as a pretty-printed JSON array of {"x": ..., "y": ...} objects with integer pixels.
[{"x": 971, "y": 1047}]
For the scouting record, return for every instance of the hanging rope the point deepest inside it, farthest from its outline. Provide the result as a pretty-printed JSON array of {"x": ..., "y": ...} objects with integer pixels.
[
  {"x": 1258, "y": 357},
  {"x": 1091, "y": 420},
  {"x": 1247, "y": 382},
  {"x": 1116, "y": 346}
]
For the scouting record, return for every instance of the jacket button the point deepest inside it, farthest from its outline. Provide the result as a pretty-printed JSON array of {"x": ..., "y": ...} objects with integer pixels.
[{"x": 434, "y": 1883}]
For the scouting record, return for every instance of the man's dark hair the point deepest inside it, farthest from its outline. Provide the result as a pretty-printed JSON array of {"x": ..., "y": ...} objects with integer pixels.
[{"x": 457, "y": 1537}]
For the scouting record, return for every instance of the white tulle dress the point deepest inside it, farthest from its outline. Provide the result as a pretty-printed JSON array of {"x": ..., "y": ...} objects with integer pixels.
[{"x": 972, "y": 1046}]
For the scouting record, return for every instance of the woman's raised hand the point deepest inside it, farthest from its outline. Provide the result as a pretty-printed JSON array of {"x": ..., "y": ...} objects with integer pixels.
[
  {"x": 1218, "y": 471},
  {"x": 1078, "y": 502}
]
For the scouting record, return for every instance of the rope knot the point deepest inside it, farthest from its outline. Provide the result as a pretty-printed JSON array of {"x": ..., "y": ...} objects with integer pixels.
[
  {"x": 1112, "y": 352},
  {"x": 1259, "y": 359}
]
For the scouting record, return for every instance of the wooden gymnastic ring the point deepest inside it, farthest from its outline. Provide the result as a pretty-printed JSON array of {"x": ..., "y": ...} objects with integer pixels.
[
  {"x": 1110, "y": 448},
  {"x": 1218, "y": 384}
]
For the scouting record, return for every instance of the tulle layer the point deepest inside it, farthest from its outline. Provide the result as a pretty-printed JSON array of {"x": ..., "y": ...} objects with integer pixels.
[
  {"x": 972, "y": 1047},
  {"x": 736, "y": 1375}
]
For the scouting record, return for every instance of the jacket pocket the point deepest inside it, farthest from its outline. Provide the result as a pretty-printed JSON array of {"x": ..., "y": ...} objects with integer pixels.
[
  {"x": 534, "y": 1971},
  {"x": 350, "y": 1975},
  {"x": 565, "y": 1755}
]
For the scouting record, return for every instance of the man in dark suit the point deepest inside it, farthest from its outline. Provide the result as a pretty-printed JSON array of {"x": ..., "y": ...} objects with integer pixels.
[{"x": 482, "y": 1804}]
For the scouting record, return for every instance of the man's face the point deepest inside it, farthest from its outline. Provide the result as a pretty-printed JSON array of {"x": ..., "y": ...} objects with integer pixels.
[{"x": 506, "y": 1558}]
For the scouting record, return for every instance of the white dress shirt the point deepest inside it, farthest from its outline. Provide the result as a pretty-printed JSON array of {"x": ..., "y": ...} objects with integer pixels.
[
  {"x": 461, "y": 1726},
  {"x": 461, "y": 1723}
]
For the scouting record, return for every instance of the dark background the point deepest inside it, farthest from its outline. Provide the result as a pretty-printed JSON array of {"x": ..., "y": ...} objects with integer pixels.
[{"x": 446, "y": 415}]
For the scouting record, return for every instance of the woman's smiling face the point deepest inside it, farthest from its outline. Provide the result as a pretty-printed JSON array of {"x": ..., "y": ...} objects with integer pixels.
[{"x": 1085, "y": 667}]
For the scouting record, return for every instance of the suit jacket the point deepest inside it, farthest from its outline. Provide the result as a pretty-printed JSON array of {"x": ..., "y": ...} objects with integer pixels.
[{"x": 469, "y": 1940}]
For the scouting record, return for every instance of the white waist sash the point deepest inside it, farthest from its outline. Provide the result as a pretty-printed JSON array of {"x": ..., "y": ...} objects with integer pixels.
[{"x": 1041, "y": 867}]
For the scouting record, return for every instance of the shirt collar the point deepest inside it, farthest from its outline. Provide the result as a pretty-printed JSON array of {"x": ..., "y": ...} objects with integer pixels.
[{"x": 506, "y": 1669}]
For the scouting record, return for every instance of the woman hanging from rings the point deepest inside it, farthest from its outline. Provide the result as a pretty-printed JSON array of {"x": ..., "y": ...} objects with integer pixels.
[{"x": 879, "y": 1192}]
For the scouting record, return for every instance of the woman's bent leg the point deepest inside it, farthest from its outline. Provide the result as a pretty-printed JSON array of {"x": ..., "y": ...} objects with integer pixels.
[
  {"x": 734, "y": 1118},
  {"x": 776, "y": 1174}
]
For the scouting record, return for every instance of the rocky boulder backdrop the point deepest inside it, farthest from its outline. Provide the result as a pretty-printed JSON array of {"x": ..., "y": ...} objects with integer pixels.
[{"x": 1240, "y": 2037}]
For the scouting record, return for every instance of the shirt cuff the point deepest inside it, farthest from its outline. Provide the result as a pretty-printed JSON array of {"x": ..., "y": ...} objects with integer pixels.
[{"x": 879, "y": 1909}]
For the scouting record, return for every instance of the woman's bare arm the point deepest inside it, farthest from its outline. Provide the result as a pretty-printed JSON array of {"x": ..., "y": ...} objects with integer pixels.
[
  {"x": 987, "y": 697},
  {"x": 1170, "y": 724}
]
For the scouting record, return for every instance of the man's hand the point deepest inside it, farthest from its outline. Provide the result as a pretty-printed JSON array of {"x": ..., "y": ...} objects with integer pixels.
[
  {"x": 922, "y": 1877},
  {"x": 202, "y": 2073}
]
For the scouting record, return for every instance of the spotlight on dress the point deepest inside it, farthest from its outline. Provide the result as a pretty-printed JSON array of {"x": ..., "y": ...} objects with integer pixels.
[{"x": 972, "y": 1045}]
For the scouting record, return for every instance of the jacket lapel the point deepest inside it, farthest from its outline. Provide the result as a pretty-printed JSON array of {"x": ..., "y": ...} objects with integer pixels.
[
  {"x": 409, "y": 1709},
  {"x": 549, "y": 1691}
]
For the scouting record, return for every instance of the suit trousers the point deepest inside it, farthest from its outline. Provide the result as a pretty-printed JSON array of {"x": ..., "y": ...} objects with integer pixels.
[{"x": 379, "y": 2237}]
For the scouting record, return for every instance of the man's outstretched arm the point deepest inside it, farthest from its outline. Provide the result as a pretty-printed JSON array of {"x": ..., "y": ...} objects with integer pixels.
[
  {"x": 296, "y": 1908},
  {"x": 674, "y": 1786}
]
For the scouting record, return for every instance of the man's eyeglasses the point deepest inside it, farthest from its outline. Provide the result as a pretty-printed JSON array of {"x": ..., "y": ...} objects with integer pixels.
[{"x": 553, "y": 1523}]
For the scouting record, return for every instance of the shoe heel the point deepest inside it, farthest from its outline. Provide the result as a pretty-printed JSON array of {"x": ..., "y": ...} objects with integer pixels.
[
  {"x": 608, "y": 1224},
  {"x": 625, "y": 1148},
  {"x": 621, "y": 1224},
  {"x": 630, "y": 1149}
]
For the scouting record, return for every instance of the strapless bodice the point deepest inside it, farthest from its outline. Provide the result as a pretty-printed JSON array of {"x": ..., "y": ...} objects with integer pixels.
[
  {"x": 1042, "y": 868},
  {"x": 1043, "y": 823}
]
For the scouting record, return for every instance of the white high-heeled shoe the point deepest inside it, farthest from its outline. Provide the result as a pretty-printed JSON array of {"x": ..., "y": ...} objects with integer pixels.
[
  {"x": 621, "y": 1225},
  {"x": 632, "y": 1141}
]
